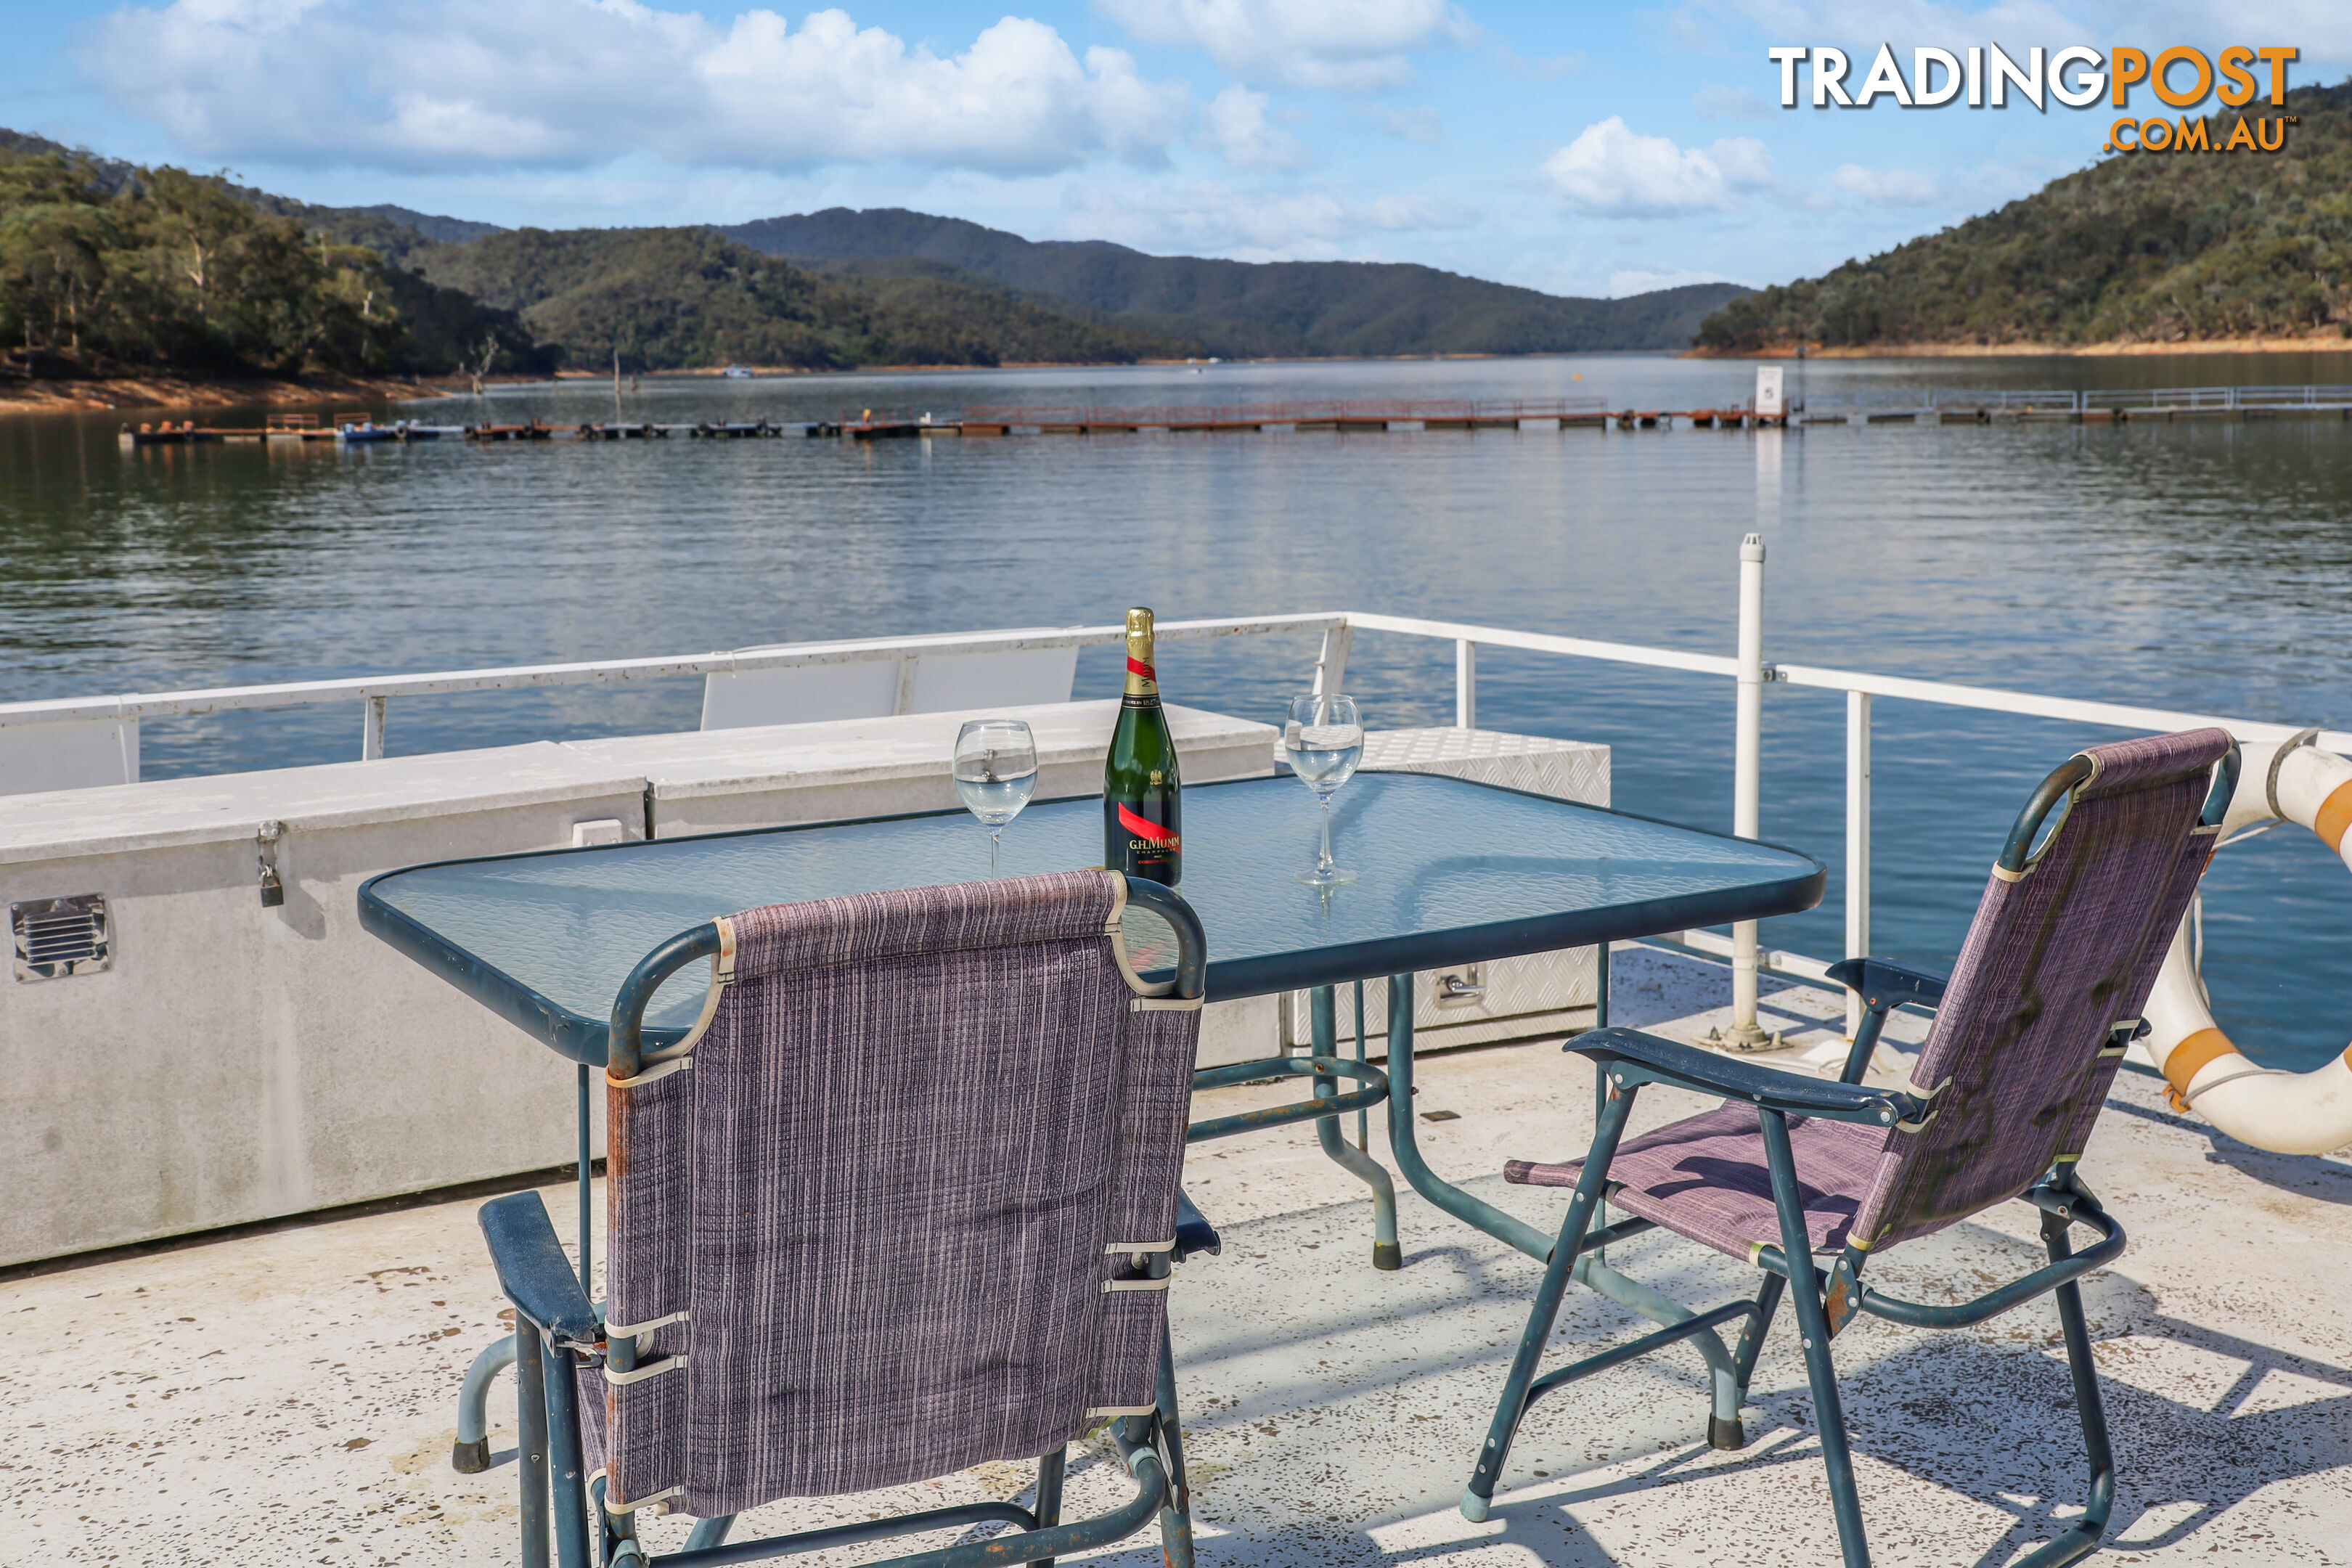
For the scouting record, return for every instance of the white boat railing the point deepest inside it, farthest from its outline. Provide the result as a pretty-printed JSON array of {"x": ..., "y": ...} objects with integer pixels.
[
  {"x": 1752, "y": 672},
  {"x": 378, "y": 690}
]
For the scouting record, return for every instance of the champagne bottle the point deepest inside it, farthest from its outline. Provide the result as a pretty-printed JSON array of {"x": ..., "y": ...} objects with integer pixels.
[{"x": 1141, "y": 818}]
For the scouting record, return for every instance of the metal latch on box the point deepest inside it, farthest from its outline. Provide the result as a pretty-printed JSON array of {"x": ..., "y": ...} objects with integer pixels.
[
  {"x": 273, "y": 891},
  {"x": 1463, "y": 989}
]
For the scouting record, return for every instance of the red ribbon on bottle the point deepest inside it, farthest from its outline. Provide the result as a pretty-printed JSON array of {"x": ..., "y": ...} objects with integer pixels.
[
  {"x": 1143, "y": 828},
  {"x": 1137, "y": 667}
]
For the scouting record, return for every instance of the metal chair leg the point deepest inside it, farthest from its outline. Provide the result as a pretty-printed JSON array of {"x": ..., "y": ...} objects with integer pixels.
[
  {"x": 1479, "y": 1496},
  {"x": 1049, "y": 1496},
  {"x": 2081, "y": 1537},
  {"x": 531, "y": 1443},
  {"x": 1812, "y": 1323},
  {"x": 1176, "y": 1517},
  {"x": 470, "y": 1455},
  {"x": 710, "y": 1532},
  {"x": 566, "y": 1470},
  {"x": 1751, "y": 1338},
  {"x": 1386, "y": 1253}
]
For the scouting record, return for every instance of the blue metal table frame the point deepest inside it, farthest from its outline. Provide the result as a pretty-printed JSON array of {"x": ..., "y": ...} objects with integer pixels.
[{"x": 1450, "y": 872}]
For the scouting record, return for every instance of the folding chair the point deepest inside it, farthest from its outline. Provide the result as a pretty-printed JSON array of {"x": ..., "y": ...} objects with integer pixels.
[
  {"x": 2028, "y": 1033},
  {"x": 902, "y": 1201}
]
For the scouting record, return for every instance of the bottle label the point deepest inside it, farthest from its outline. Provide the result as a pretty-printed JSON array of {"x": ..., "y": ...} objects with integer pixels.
[
  {"x": 1147, "y": 838},
  {"x": 1142, "y": 682}
]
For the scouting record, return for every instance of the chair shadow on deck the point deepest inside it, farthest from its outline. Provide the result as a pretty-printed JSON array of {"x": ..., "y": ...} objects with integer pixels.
[
  {"x": 1983, "y": 1418},
  {"x": 2174, "y": 1453}
]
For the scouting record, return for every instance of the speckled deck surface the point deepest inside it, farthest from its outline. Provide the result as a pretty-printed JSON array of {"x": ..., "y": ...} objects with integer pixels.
[{"x": 290, "y": 1398}]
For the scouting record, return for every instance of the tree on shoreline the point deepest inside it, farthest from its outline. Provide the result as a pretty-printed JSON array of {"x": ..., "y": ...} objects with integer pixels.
[{"x": 170, "y": 270}]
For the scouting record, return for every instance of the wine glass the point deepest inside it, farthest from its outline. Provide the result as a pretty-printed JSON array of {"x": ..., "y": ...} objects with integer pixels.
[
  {"x": 995, "y": 773},
  {"x": 1323, "y": 740}
]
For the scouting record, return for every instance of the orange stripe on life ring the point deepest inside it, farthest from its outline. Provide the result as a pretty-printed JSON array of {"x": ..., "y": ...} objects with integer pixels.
[
  {"x": 2334, "y": 817},
  {"x": 2190, "y": 1058}
]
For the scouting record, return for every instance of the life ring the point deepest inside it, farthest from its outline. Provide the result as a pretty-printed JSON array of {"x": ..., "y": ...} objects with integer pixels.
[{"x": 2286, "y": 1112}]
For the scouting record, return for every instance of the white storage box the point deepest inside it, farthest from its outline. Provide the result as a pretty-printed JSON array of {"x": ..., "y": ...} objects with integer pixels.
[{"x": 225, "y": 1057}]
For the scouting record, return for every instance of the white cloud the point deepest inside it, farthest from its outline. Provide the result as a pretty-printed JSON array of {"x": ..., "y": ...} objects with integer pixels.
[
  {"x": 1235, "y": 124},
  {"x": 1346, "y": 46},
  {"x": 1886, "y": 187},
  {"x": 1536, "y": 67},
  {"x": 1203, "y": 217},
  {"x": 1422, "y": 123},
  {"x": 2322, "y": 28},
  {"x": 570, "y": 83},
  {"x": 1611, "y": 172}
]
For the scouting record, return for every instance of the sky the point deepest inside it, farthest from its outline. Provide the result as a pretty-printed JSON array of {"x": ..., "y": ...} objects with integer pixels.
[{"x": 1588, "y": 149}]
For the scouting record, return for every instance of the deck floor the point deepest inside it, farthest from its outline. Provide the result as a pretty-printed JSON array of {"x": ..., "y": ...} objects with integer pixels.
[{"x": 290, "y": 1397}]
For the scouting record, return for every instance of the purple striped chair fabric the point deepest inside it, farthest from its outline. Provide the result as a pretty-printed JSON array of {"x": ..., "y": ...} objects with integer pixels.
[
  {"x": 875, "y": 1222},
  {"x": 2018, "y": 1061}
]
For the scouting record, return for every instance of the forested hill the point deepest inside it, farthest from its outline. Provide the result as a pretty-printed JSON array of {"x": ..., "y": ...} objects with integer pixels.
[
  {"x": 110, "y": 268},
  {"x": 681, "y": 298},
  {"x": 387, "y": 229},
  {"x": 2138, "y": 247},
  {"x": 1240, "y": 309},
  {"x": 107, "y": 269}
]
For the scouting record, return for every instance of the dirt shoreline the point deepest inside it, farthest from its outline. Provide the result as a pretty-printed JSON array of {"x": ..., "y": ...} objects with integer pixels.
[
  {"x": 131, "y": 393},
  {"x": 162, "y": 391},
  {"x": 2330, "y": 344}
]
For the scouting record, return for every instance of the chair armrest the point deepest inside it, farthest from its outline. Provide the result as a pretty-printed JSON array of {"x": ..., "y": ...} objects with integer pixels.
[
  {"x": 1193, "y": 1233},
  {"x": 533, "y": 1271},
  {"x": 1630, "y": 1057},
  {"x": 1882, "y": 984},
  {"x": 1191, "y": 940}
]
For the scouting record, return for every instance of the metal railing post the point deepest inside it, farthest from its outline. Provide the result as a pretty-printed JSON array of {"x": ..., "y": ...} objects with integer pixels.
[
  {"x": 372, "y": 728},
  {"x": 1331, "y": 664},
  {"x": 1466, "y": 684},
  {"x": 1858, "y": 842},
  {"x": 1747, "y": 782}
]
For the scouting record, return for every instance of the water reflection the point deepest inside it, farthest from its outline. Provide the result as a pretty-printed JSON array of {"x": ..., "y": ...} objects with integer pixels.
[{"x": 2191, "y": 566}]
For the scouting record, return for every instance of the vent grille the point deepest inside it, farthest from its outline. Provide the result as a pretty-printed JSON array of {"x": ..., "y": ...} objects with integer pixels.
[{"x": 54, "y": 938}]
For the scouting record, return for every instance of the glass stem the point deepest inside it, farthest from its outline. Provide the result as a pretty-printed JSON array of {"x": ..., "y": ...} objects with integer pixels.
[
  {"x": 995, "y": 842},
  {"x": 1325, "y": 863}
]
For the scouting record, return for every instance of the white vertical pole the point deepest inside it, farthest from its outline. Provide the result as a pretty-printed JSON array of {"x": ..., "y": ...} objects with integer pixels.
[
  {"x": 1747, "y": 776},
  {"x": 1466, "y": 684},
  {"x": 372, "y": 728},
  {"x": 1857, "y": 841},
  {"x": 1331, "y": 664}
]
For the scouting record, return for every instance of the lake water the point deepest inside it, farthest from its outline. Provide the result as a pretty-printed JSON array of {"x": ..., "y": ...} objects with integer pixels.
[{"x": 2198, "y": 566}]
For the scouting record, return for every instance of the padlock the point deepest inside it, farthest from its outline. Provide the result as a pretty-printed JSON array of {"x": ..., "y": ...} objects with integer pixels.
[{"x": 273, "y": 889}]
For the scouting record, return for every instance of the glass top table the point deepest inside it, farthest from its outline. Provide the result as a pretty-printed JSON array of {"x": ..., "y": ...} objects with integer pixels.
[{"x": 1450, "y": 872}]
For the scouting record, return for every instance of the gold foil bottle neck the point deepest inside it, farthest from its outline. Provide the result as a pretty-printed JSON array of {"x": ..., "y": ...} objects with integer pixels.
[{"x": 1142, "y": 677}]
